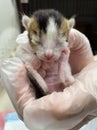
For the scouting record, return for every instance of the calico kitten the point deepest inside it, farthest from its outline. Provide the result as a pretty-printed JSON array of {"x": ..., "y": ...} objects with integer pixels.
[{"x": 48, "y": 32}]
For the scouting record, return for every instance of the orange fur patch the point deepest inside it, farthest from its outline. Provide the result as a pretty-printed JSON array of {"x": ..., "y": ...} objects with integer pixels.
[{"x": 64, "y": 28}]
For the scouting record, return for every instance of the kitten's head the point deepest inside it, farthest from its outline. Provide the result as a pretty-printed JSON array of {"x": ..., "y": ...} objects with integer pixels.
[{"x": 48, "y": 32}]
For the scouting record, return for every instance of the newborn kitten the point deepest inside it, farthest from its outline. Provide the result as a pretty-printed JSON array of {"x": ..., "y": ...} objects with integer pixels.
[{"x": 48, "y": 32}]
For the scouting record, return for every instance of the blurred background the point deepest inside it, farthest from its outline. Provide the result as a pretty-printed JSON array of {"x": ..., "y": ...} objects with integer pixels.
[
  {"x": 9, "y": 29},
  {"x": 10, "y": 26}
]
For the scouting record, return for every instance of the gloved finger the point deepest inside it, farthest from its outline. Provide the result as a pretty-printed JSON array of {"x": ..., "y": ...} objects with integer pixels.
[
  {"x": 80, "y": 51},
  {"x": 27, "y": 55},
  {"x": 90, "y": 72},
  {"x": 23, "y": 38},
  {"x": 15, "y": 81},
  {"x": 64, "y": 70}
]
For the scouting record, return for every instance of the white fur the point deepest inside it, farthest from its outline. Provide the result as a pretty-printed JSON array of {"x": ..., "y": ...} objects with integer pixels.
[
  {"x": 51, "y": 28},
  {"x": 51, "y": 33}
]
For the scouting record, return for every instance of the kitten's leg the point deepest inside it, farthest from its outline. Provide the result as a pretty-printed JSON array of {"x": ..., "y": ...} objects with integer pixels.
[
  {"x": 37, "y": 86},
  {"x": 37, "y": 82}
]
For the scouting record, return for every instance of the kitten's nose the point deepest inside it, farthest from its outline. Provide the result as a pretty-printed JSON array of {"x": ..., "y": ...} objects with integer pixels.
[{"x": 48, "y": 54}]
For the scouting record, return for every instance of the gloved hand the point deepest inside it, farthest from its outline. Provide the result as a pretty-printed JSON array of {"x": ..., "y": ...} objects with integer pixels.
[{"x": 59, "y": 110}]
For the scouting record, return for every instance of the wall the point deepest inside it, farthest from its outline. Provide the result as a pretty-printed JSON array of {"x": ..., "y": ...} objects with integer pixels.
[{"x": 9, "y": 30}]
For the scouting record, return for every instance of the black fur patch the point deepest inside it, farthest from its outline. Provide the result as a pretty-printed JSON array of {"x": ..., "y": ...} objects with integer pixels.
[{"x": 42, "y": 17}]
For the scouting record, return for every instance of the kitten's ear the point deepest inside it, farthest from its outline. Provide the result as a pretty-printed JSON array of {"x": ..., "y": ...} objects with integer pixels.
[
  {"x": 25, "y": 21},
  {"x": 71, "y": 22}
]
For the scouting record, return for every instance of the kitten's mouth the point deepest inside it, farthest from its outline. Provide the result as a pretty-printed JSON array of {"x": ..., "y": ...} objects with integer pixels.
[{"x": 49, "y": 60}]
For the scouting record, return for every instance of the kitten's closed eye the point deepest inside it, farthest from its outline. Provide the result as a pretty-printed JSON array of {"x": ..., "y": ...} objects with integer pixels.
[
  {"x": 62, "y": 34},
  {"x": 36, "y": 40},
  {"x": 34, "y": 36},
  {"x": 35, "y": 32}
]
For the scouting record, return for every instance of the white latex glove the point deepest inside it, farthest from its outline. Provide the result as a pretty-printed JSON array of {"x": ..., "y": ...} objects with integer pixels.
[{"x": 59, "y": 110}]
